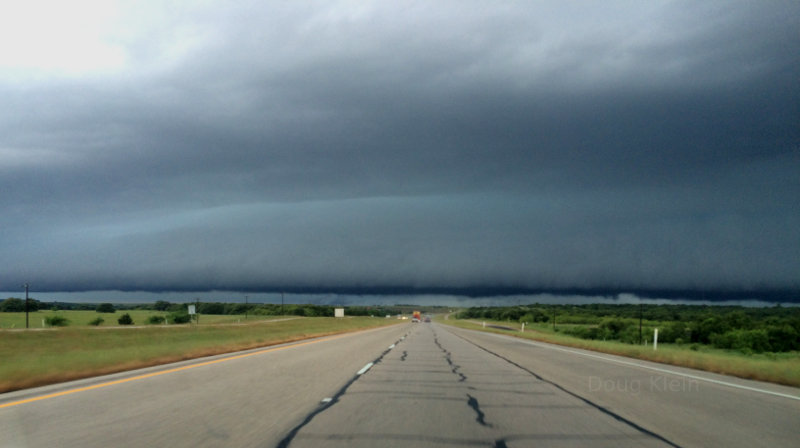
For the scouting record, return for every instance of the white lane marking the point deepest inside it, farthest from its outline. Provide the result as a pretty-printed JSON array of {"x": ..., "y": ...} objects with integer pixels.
[
  {"x": 391, "y": 346},
  {"x": 326, "y": 400},
  {"x": 657, "y": 369},
  {"x": 364, "y": 369}
]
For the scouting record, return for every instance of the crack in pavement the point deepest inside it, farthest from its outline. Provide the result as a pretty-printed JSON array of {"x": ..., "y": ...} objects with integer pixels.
[
  {"x": 447, "y": 356},
  {"x": 472, "y": 402},
  {"x": 481, "y": 418},
  {"x": 585, "y": 400},
  {"x": 286, "y": 441}
]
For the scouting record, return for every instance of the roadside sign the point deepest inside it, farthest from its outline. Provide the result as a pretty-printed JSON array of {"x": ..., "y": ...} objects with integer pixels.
[{"x": 192, "y": 310}]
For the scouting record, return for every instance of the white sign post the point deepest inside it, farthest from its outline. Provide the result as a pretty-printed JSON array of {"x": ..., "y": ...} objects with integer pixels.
[
  {"x": 655, "y": 339},
  {"x": 338, "y": 312},
  {"x": 193, "y": 312}
]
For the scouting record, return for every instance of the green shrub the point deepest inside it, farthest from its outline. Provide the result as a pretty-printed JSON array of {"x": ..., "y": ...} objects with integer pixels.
[
  {"x": 125, "y": 319},
  {"x": 630, "y": 335},
  {"x": 57, "y": 321},
  {"x": 744, "y": 340},
  {"x": 97, "y": 321},
  {"x": 180, "y": 317},
  {"x": 535, "y": 316},
  {"x": 615, "y": 327},
  {"x": 783, "y": 339},
  {"x": 155, "y": 320},
  {"x": 673, "y": 332}
]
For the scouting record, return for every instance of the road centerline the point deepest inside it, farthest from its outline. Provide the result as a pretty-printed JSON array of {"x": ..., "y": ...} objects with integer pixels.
[{"x": 364, "y": 369}]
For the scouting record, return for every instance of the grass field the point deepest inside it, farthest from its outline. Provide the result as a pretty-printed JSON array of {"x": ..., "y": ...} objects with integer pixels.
[
  {"x": 780, "y": 368},
  {"x": 34, "y": 358}
]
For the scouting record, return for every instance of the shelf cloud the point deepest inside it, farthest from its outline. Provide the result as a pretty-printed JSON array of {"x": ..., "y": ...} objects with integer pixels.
[{"x": 423, "y": 146}]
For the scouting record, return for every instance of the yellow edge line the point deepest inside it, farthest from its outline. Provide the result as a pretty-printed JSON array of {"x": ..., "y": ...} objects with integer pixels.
[{"x": 163, "y": 372}]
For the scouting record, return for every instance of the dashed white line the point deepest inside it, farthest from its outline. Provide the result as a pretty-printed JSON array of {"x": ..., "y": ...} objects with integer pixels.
[{"x": 364, "y": 369}]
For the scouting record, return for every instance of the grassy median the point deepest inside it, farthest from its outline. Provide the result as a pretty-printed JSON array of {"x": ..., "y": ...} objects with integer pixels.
[
  {"x": 38, "y": 357},
  {"x": 37, "y": 319},
  {"x": 779, "y": 368}
]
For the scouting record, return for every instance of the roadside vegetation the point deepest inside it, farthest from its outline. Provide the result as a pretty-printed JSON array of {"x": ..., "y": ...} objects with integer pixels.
[
  {"x": 12, "y": 313},
  {"x": 35, "y": 358},
  {"x": 65, "y": 340},
  {"x": 754, "y": 343}
]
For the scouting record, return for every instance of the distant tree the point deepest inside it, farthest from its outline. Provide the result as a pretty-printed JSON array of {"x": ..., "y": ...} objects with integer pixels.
[
  {"x": 177, "y": 307},
  {"x": 105, "y": 308},
  {"x": 97, "y": 321},
  {"x": 42, "y": 305},
  {"x": 125, "y": 319},
  {"x": 12, "y": 305},
  {"x": 161, "y": 305},
  {"x": 211, "y": 308},
  {"x": 15, "y": 305}
]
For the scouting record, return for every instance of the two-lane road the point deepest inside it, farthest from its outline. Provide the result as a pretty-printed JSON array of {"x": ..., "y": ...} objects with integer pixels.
[
  {"x": 436, "y": 389},
  {"x": 405, "y": 385}
]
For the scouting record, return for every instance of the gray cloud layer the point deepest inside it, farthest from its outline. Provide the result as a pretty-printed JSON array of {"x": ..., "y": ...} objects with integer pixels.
[{"x": 334, "y": 144}]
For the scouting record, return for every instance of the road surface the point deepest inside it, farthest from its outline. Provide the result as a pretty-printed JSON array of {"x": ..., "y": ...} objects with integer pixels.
[{"x": 408, "y": 385}]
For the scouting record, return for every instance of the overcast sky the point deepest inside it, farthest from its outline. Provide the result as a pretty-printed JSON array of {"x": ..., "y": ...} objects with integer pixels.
[{"x": 347, "y": 144}]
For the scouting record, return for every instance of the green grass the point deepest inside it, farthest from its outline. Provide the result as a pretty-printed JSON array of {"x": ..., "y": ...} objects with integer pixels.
[
  {"x": 34, "y": 358},
  {"x": 780, "y": 368},
  {"x": 36, "y": 319}
]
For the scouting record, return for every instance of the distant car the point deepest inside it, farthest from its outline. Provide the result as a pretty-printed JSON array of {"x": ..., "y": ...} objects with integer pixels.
[{"x": 427, "y": 319}]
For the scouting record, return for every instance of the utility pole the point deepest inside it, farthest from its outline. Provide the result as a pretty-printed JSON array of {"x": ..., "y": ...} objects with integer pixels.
[
  {"x": 245, "y": 307},
  {"x": 26, "y": 306},
  {"x": 281, "y": 303},
  {"x": 554, "y": 318}
]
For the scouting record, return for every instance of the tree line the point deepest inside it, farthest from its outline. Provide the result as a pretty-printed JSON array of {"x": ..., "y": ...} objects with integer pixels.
[
  {"x": 13, "y": 304},
  {"x": 767, "y": 329}
]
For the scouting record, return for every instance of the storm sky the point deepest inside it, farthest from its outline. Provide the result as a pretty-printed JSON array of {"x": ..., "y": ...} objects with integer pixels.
[{"x": 550, "y": 145}]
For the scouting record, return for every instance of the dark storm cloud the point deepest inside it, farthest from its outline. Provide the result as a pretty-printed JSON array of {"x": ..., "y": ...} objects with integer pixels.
[{"x": 531, "y": 145}]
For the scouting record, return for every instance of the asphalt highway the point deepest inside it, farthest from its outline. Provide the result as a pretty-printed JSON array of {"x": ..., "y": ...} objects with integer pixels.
[{"x": 407, "y": 385}]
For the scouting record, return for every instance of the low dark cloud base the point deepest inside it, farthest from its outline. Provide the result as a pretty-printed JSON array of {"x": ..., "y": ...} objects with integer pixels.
[{"x": 531, "y": 147}]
